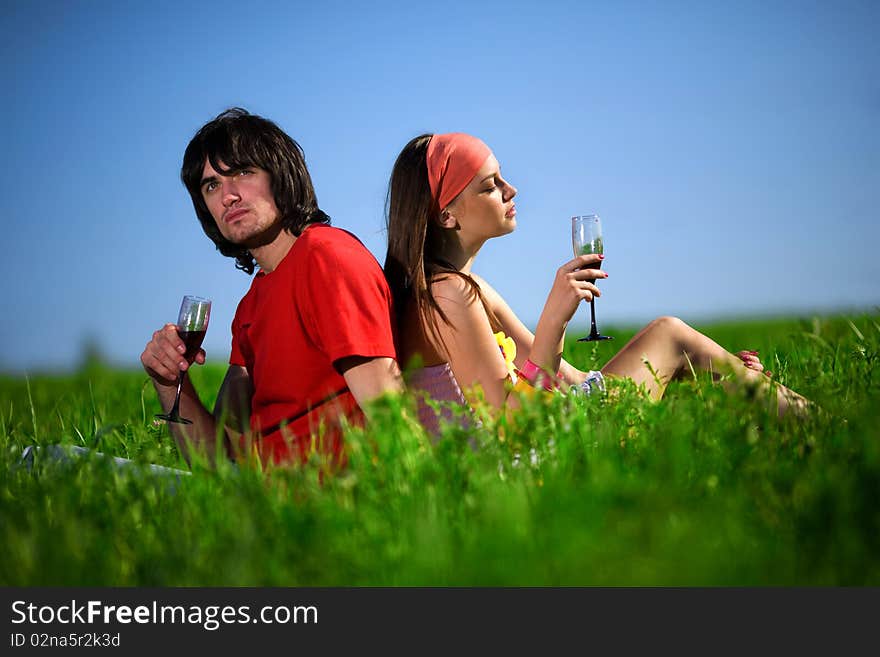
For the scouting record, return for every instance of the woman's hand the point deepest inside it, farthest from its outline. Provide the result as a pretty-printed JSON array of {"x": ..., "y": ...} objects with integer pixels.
[{"x": 573, "y": 284}]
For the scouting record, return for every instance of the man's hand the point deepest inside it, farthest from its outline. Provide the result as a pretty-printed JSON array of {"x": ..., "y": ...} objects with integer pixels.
[{"x": 163, "y": 356}]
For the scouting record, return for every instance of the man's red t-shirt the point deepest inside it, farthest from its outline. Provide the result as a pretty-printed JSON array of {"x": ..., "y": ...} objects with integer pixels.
[{"x": 327, "y": 299}]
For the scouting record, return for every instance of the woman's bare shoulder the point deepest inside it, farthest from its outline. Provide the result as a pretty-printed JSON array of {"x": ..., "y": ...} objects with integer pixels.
[
  {"x": 480, "y": 280},
  {"x": 488, "y": 291},
  {"x": 452, "y": 288}
]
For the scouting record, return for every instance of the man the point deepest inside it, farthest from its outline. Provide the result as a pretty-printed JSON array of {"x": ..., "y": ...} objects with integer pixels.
[{"x": 312, "y": 339}]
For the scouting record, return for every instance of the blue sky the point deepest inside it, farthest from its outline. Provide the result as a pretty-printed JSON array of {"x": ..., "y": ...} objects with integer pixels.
[{"x": 732, "y": 149}]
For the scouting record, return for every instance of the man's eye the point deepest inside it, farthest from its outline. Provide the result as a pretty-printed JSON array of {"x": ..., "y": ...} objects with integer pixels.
[
  {"x": 210, "y": 187},
  {"x": 245, "y": 172}
]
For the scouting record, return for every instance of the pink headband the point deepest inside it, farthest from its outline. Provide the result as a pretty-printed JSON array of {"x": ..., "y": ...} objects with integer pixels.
[{"x": 453, "y": 160}]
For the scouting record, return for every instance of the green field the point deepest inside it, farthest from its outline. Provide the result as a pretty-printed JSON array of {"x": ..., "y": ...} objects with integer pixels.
[{"x": 703, "y": 488}]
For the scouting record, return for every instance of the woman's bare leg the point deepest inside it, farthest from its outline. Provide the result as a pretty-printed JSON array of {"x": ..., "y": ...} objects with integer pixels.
[{"x": 672, "y": 348}]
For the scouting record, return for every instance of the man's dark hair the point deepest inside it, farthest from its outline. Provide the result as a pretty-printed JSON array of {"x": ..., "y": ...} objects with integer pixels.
[{"x": 242, "y": 140}]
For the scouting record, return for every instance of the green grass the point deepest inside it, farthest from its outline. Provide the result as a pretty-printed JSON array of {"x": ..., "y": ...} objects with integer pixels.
[{"x": 703, "y": 488}]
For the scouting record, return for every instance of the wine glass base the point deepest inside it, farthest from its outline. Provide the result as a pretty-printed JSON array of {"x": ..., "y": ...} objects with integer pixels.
[
  {"x": 173, "y": 418},
  {"x": 597, "y": 336}
]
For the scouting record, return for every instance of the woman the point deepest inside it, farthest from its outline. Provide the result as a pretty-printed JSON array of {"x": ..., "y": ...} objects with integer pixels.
[{"x": 446, "y": 198}]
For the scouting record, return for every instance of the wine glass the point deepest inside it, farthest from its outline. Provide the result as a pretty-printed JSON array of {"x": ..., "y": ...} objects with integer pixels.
[
  {"x": 192, "y": 322},
  {"x": 586, "y": 237}
]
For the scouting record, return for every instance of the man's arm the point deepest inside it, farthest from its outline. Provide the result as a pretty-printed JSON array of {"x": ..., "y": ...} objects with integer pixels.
[
  {"x": 232, "y": 410},
  {"x": 368, "y": 378},
  {"x": 163, "y": 360}
]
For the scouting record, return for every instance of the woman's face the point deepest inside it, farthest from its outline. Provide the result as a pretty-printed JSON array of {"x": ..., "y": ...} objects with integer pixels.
[{"x": 485, "y": 208}]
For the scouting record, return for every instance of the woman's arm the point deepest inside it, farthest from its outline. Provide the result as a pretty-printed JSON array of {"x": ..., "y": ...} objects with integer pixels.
[
  {"x": 468, "y": 343},
  {"x": 522, "y": 336}
]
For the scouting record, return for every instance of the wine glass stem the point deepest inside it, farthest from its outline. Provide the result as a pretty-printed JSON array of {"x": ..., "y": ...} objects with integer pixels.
[
  {"x": 175, "y": 410},
  {"x": 593, "y": 329}
]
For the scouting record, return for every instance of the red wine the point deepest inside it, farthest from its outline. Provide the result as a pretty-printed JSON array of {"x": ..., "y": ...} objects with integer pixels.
[
  {"x": 591, "y": 247},
  {"x": 192, "y": 340}
]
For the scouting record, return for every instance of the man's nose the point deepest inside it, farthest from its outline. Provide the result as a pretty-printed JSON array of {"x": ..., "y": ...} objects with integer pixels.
[{"x": 230, "y": 193}]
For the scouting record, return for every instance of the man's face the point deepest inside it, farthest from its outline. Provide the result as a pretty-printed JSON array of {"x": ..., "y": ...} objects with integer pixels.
[{"x": 241, "y": 203}]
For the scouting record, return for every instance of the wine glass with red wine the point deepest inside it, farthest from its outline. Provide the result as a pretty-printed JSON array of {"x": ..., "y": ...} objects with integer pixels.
[
  {"x": 586, "y": 238},
  {"x": 192, "y": 322}
]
